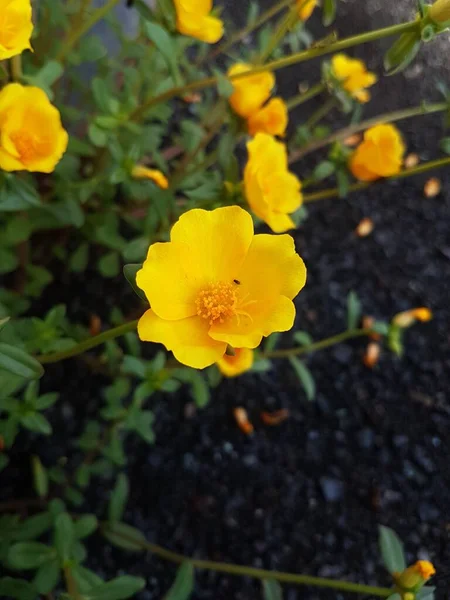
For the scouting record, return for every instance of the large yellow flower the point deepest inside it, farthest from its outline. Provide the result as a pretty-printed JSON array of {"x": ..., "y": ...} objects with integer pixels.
[
  {"x": 271, "y": 190},
  {"x": 232, "y": 365},
  {"x": 194, "y": 20},
  {"x": 271, "y": 118},
  {"x": 306, "y": 8},
  {"x": 32, "y": 137},
  {"x": 250, "y": 92},
  {"x": 16, "y": 27},
  {"x": 354, "y": 76},
  {"x": 217, "y": 284},
  {"x": 380, "y": 154}
]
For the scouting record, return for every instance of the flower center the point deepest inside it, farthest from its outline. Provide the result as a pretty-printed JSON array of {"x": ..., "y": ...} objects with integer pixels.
[
  {"x": 25, "y": 144},
  {"x": 217, "y": 302}
]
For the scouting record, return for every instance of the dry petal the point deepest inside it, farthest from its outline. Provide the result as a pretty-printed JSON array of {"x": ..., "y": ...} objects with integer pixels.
[
  {"x": 275, "y": 418},
  {"x": 372, "y": 355},
  {"x": 432, "y": 187},
  {"x": 364, "y": 228},
  {"x": 353, "y": 140},
  {"x": 412, "y": 160},
  {"x": 240, "y": 414},
  {"x": 367, "y": 323}
]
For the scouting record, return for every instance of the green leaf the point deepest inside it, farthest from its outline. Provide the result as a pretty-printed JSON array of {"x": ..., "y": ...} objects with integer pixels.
[
  {"x": 117, "y": 589},
  {"x": 402, "y": 52},
  {"x": 20, "y": 363},
  {"x": 143, "y": 426},
  {"x": 394, "y": 597},
  {"x": 109, "y": 265},
  {"x": 118, "y": 499},
  {"x": 304, "y": 376},
  {"x": 183, "y": 585},
  {"x": 329, "y": 12},
  {"x": 8, "y": 260},
  {"x": 391, "y": 549},
  {"x": 4, "y": 460},
  {"x": 426, "y": 593},
  {"x": 3, "y": 322},
  {"x": 17, "y": 588},
  {"x": 85, "y": 526},
  {"x": 36, "y": 422},
  {"x": 130, "y": 271},
  {"x": 17, "y": 194},
  {"x": 80, "y": 258},
  {"x": 40, "y": 477},
  {"x": 303, "y": 338},
  {"x": 85, "y": 578},
  {"x": 29, "y": 555},
  {"x": 97, "y": 136},
  {"x": 18, "y": 229},
  {"x": 64, "y": 536},
  {"x": 224, "y": 85},
  {"x": 47, "y": 577},
  {"x": 445, "y": 145},
  {"x": 46, "y": 400},
  {"x": 34, "y": 527},
  {"x": 167, "y": 47},
  {"x": 323, "y": 170},
  {"x": 272, "y": 590},
  {"x": 125, "y": 536},
  {"x": 47, "y": 76},
  {"x": 354, "y": 310}
]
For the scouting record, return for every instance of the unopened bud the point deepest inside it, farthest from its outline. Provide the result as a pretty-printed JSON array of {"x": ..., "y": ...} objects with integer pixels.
[
  {"x": 408, "y": 317},
  {"x": 415, "y": 576},
  {"x": 439, "y": 12}
]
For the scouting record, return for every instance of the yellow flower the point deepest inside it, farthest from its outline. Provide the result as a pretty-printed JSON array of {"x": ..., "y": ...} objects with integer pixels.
[
  {"x": 409, "y": 317},
  {"x": 217, "y": 284},
  {"x": 439, "y": 12},
  {"x": 32, "y": 137},
  {"x": 232, "y": 366},
  {"x": 415, "y": 576},
  {"x": 380, "y": 154},
  {"x": 250, "y": 92},
  {"x": 353, "y": 75},
  {"x": 306, "y": 8},
  {"x": 141, "y": 172},
  {"x": 271, "y": 190},
  {"x": 194, "y": 20},
  {"x": 16, "y": 27},
  {"x": 271, "y": 118}
]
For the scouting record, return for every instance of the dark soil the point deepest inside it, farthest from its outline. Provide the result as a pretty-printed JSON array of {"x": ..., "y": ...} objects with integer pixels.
[{"x": 373, "y": 448}]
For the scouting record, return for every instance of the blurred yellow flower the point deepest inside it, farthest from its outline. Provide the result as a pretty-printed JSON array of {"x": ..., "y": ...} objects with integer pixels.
[
  {"x": 217, "y": 284},
  {"x": 271, "y": 118},
  {"x": 353, "y": 75},
  {"x": 380, "y": 154},
  {"x": 250, "y": 92},
  {"x": 32, "y": 137},
  {"x": 194, "y": 20},
  {"x": 141, "y": 172},
  {"x": 415, "y": 576},
  {"x": 271, "y": 190},
  {"x": 409, "y": 317},
  {"x": 306, "y": 8},
  {"x": 439, "y": 12},
  {"x": 16, "y": 27},
  {"x": 232, "y": 366}
]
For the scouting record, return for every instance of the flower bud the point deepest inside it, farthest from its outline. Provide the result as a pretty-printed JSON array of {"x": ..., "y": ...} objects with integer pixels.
[
  {"x": 142, "y": 172},
  {"x": 415, "y": 576},
  {"x": 408, "y": 317},
  {"x": 439, "y": 12}
]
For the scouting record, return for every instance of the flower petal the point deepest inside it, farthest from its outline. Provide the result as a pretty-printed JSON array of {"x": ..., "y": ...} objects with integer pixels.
[
  {"x": 216, "y": 242},
  {"x": 188, "y": 339}
]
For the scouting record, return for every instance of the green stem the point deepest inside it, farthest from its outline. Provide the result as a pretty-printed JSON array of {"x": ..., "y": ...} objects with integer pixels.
[
  {"x": 320, "y": 113},
  {"x": 71, "y": 584},
  {"x": 286, "y": 22},
  {"x": 308, "y": 95},
  {"x": 92, "y": 342},
  {"x": 83, "y": 28},
  {"x": 240, "y": 35},
  {"x": 232, "y": 569},
  {"x": 389, "y": 117},
  {"x": 298, "y": 57},
  {"x": 320, "y": 345},
  {"x": 16, "y": 67},
  {"x": 362, "y": 185}
]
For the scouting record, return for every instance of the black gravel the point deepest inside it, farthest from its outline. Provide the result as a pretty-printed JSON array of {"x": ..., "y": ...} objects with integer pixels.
[{"x": 373, "y": 448}]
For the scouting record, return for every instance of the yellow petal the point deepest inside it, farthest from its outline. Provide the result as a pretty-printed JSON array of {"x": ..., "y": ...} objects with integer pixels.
[
  {"x": 171, "y": 292},
  {"x": 271, "y": 118},
  {"x": 16, "y": 27},
  {"x": 232, "y": 366},
  {"x": 188, "y": 339},
  {"x": 306, "y": 8},
  {"x": 279, "y": 222},
  {"x": 217, "y": 242},
  {"x": 250, "y": 92}
]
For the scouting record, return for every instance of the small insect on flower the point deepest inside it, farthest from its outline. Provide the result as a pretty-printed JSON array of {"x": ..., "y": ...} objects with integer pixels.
[
  {"x": 432, "y": 187},
  {"x": 372, "y": 355},
  {"x": 194, "y": 20},
  {"x": 380, "y": 154},
  {"x": 240, "y": 414},
  {"x": 16, "y": 27},
  {"x": 197, "y": 308},
  {"x": 364, "y": 228},
  {"x": 32, "y": 137}
]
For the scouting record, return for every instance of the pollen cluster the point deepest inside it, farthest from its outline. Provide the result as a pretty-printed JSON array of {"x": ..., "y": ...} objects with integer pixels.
[{"x": 216, "y": 302}]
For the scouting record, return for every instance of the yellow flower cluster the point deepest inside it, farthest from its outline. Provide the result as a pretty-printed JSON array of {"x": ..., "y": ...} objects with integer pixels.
[
  {"x": 353, "y": 76},
  {"x": 16, "y": 27},
  {"x": 32, "y": 137},
  {"x": 194, "y": 20},
  {"x": 272, "y": 191},
  {"x": 216, "y": 284},
  {"x": 249, "y": 101},
  {"x": 380, "y": 154}
]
